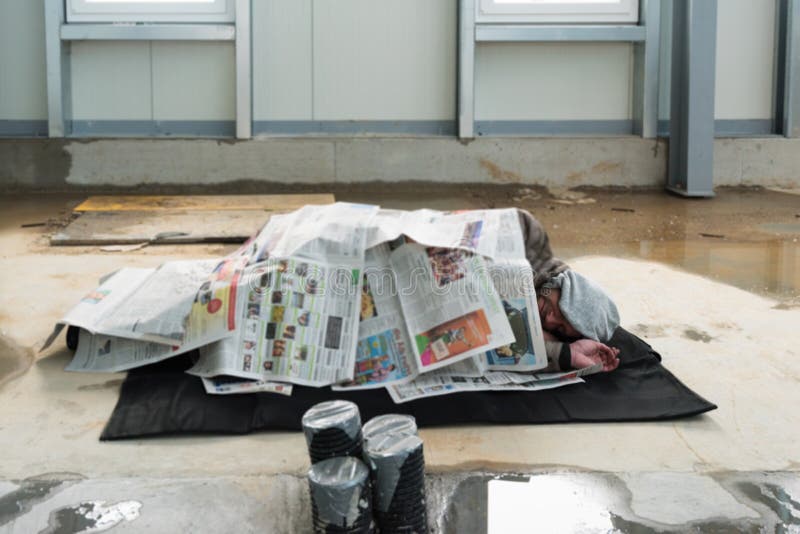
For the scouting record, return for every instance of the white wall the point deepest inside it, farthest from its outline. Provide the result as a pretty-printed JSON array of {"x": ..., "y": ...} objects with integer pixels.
[
  {"x": 368, "y": 60},
  {"x": 745, "y": 53},
  {"x": 354, "y": 59},
  {"x": 23, "y": 82},
  {"x": 559, "y": 81},
  {"x": 744, "y": 60},
  {"x": 152, "y": 81},
  {"x": 282, "y": 60}
]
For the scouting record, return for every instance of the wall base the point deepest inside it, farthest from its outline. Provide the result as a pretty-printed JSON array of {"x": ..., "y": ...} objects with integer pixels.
[{"x": 554, "y": 162}]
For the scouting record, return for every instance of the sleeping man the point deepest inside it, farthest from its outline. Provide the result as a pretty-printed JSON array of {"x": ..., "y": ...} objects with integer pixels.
[{"x": 578, "y": 317}]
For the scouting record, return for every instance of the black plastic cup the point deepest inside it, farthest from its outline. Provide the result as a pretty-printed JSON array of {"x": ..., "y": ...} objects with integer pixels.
[
  {"x": 333, "y": 429},
  {"x": 397, "y": 465},
  {"x": 341, "y": 496}
]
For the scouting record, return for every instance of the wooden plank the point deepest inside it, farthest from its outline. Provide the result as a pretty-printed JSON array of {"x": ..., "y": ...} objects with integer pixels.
[
  {"x": 269, "y": 203},
  {"x": 128, "y": 227}
]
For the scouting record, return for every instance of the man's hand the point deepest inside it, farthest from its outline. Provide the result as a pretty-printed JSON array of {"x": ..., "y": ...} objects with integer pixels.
[{"x": 587, "y": 352}]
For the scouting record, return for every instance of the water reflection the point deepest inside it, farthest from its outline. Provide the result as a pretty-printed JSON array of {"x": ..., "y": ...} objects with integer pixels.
[
  {"x": 550, "y": 503},
  {"x": 767, "y": 267}
]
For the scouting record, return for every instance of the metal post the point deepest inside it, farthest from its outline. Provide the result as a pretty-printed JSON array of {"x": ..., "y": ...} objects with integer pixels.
[
  {"x": 244, "y": 84},
  {"x": 691, "y": 143},
  {"x": 466, "y": 70},
  {"x": 787, "y": 68},
  {"x": 58, "y": 69},
  {"x": 645, "y": 69}
]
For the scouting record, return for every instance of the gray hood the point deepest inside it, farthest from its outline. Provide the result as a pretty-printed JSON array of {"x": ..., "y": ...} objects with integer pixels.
[{"x": 585, "y": 305}]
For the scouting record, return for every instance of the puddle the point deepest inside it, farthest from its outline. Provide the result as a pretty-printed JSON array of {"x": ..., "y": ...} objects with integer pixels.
[
  {"x": 91, "y": 516},
  {"x": 781, "y": 228},
  {"x": 769, "y": 268},
  {"x": 30, "y": 492},
  {"x": 602, "y": 502},
  {"x": 777, "y": 499},
  {"x": 14, "y": 360}
]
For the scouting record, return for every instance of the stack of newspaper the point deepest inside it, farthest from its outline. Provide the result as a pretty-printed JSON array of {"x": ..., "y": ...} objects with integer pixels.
[{"x": 352, "y": 296}]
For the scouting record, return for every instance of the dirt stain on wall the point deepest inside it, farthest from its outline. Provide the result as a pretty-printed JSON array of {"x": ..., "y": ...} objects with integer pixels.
[{"x": 498, "y": 174}]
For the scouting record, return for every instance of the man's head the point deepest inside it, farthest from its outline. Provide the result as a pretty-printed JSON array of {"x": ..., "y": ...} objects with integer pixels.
[
  {"x": 550, "y": 313},
  {"x": 573, "y": 306}
]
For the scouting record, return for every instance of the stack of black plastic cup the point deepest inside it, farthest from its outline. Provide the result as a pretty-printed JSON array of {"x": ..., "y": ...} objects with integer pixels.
[
  {"x": 333, "y": 429},
  {"x": 392, "y": 423},
  {"x": 397, "y": 466},
  {"x": 341, "y": 499}
]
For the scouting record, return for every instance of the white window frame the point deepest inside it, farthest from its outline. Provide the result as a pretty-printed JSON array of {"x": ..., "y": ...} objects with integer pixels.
[
  {"x": 558, "y": 11},
  {"x": 132, "y": 11}
]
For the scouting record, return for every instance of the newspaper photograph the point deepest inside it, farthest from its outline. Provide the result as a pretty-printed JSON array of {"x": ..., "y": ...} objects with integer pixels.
[
  {"x": 513, "y": 280},
  {"x": 383, "y": 353},
  {"x": 451, "y": 308},
  {"x": 229, "y": 385}
]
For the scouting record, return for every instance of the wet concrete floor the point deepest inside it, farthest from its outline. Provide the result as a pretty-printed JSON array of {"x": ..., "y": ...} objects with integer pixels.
[
  {"x": 557, "y": 501},
  {"x": 733, "y": 470},
  {"x": 634, "y": 503}
]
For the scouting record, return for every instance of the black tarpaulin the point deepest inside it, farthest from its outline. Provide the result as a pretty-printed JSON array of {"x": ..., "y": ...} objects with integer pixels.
[{"x": 161, "y": 399}]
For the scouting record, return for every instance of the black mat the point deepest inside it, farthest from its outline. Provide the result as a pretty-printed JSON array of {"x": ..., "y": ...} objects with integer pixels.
[{"x": 160, "y": 399}]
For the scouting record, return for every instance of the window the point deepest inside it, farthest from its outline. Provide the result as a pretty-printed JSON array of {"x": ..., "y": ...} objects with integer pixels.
[
  {"x": 559, "y": 11},
  {"x": 150, "y": 10}
]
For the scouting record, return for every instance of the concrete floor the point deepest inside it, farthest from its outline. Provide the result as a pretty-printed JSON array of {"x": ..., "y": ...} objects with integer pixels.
[{"x": 713, "y": 285}]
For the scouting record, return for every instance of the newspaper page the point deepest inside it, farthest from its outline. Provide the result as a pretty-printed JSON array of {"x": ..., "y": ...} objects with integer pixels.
[
  {"x": 227, "y": 385},
  {"x": 383, "y": 353},
  {"x": 334, "y": 234},
  {"x": 213, "y": 311},
  {"x": 261, "y": 246},
  {"x": 158, "y": 308},
  {"x": 210, "y": 319},
  {"x": 435, "y": 384},
  {"x": 298, "y": 324},
  {"x": 387, "y": 225},
  {"x": 513, "y": 280},
  {"x": 494, "y": 234},
  {"x": 299, "y": 306},
  {"x": 451, "y": 308},
  {"x": 98, "y": 353},
  {"x": 506, "y": 377},
  {"x": 89, "y": 312}
]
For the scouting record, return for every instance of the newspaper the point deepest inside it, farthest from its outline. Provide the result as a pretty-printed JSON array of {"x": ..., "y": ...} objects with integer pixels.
[
  {"x": 145, "y": 304},
  {"x": 433, "y": 385},
  {"x": 443, "y": 383},
  {"x": 490, "y": 233},
  {"x": 90, "y": 310},
  {"x": 383, "y": 353},
  {"x": 299, "y": 323},
  {"x": 451, "y": 380},
  {"x": 299, "y": 311},
  {"x": 98, "y": 353},
  {"x": 451, "y": 309},
  {"x": 347, "y": 295},
  {"x": 513, "y": 280},
  {"x": 334, "y": 234},
  {"x": 225, "y": 385},
  {"x": 141, "y": 316}
]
